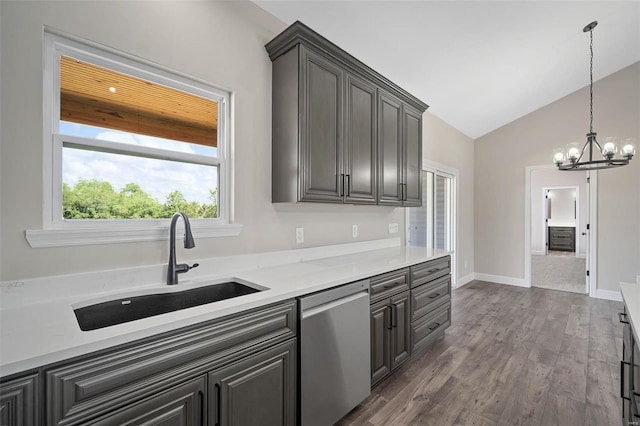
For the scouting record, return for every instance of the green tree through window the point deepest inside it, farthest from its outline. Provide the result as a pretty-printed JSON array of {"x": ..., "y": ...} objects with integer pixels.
[{"x": 95, "y": 199}]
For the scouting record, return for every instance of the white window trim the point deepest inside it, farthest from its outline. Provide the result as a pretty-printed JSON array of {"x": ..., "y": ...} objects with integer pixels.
[{"x": 57, "y": 232}]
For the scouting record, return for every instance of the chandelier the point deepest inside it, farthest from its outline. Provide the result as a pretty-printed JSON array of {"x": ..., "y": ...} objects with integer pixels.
[{"x": 575, "y": 159}]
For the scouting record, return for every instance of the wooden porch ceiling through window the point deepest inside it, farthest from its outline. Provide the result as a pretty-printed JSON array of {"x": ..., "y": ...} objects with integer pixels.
[{"x": 96, "y": 96}]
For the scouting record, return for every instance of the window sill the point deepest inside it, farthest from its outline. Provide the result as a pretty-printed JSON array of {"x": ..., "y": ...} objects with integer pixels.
[{"x": 63, "y": 237}]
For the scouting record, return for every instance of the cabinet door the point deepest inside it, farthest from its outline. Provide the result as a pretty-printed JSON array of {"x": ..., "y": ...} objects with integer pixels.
[
  {"x": 321, "y": 129},
  {"x": 412, "y": 156},
  {"x": 19, "y": 401},
  {"x": 258, "y": 391},
  {"x": 400, "y": 329},
  {"x": 389, "y": 150},
  {"x": 360, "y": 147},
  {"x": 380, "y": 333},
  {"x": 182, "y": 405}
]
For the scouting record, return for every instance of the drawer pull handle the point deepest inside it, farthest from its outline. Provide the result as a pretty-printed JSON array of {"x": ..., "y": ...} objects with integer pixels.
[
  {"x": 621, "y": 315},
  {"x": 435, "y": 326},
  {"x": 433, "y": 296}
]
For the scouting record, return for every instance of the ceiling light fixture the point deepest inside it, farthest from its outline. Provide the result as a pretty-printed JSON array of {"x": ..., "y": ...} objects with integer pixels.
[{"x": 574, "y": 157}]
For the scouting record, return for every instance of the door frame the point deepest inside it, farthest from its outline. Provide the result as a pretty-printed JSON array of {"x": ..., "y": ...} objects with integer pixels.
[
  {"x": 592, "y": 221},
  {"x": 452, "y": 173},
  {"x": 577, "y": 216}
]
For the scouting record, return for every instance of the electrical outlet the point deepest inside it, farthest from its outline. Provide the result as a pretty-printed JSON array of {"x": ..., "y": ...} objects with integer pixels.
[
  {"x": 637, "y": 279},
  {"x": 354, "y": 231},
  {"x": 393, "y": 228},
  {"x": 299, "y": 235},
  {"x": 465, "y": 264}
]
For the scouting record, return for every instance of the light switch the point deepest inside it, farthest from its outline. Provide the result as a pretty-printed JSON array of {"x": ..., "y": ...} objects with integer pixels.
[{"x": 393, "y": 228}]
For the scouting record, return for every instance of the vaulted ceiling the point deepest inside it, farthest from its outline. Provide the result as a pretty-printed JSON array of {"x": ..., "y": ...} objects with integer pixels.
[{"x": 478, "y": 64}]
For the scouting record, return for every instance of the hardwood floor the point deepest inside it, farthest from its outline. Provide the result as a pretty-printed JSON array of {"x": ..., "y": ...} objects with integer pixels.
[{"x": 512, "y": 356}]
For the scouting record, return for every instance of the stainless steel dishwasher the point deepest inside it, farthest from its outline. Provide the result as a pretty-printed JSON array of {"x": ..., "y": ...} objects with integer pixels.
[{"x": 335, "y": 353}]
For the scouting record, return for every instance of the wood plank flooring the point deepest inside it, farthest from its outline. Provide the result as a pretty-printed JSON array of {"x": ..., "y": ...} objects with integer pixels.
[{"x": 512, "y": 356}]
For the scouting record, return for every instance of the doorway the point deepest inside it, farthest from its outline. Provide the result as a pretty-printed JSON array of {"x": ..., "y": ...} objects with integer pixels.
[
  {"x": 433, "y": 225},
  {"x": 558, "y": 232}
]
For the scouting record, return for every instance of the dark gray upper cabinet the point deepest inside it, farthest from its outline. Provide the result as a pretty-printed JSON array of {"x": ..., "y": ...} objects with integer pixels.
[
  {"x": 321, "y": 142},
  {"x": 399, "y": 152},
  {"x": 360, "y": 177},
  {"x": 412, "y": 156},
  {"x": 390, "y": 151},
  {"x": 327, "y": 144}
]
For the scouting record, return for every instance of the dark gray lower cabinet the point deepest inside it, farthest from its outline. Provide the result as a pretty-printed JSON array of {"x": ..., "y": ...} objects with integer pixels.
[
  {"x": 178, "y": 378},
  {"x": 410, "y": 309},
  {"x": 19, "y": 401},
  {"x": 380, "y": 341},
  {"x": 257, "y": 391},
  {"x": 400, "y": 336},
  {"x": 390, "y": 338},
  {"x": 181, "y": 405},
  {"x": 389, "y": 323}
]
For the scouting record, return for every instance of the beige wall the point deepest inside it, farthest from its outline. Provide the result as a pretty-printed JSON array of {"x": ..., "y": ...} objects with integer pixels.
[
  {"x": 445, "y": 145},
  {"x": 502, "y": 156},
  {"x": 220, "y": 42}
]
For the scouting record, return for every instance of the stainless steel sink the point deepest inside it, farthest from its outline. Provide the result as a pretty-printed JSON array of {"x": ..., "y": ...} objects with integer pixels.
[{"x": 125, "y": 309}]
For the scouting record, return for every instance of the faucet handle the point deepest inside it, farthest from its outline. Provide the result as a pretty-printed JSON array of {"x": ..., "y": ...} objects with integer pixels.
[{"x": 195, "y": 265}]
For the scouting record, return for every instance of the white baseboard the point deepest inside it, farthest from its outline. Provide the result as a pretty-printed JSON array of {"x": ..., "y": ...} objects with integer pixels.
[
  {"x": 518, "y": 282},
  {"x": 609, "y": 295},
  {"x": 538, "y": 252},
  {"x": 465, "y": 280}
]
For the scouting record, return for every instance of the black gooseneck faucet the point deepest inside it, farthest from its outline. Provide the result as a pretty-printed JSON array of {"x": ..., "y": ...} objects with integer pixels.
[{"x": 174, "y": 269}]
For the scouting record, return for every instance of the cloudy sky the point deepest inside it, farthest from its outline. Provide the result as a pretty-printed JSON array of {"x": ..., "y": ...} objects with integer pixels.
[{"x": 157, "y": 177}]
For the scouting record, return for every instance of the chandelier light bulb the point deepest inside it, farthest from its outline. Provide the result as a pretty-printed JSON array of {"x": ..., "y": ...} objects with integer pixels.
[
  {"x": 628, "y": 150},
  {"x": 609, "y": 149},
  {"x": 573, "y": 154},
  {"x": 558, "y": 158}
]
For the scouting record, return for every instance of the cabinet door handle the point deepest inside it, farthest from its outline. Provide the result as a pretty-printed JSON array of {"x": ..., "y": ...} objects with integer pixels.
[
  {"x": 622, "y": 364},
  {"x": 435, "y": 326},
  {"x": 433, "y": 296},
  {"x": 202, "y": 420},
  {"x": 625, "y": 320},
  {"x": 400, "y": 192},
  {"x": 348, "y": 184},
  {"x": 389, "y": 321},
  {"x": 342, "y": 184},
  {"x": 217, "y": 399},
  {"x": 394, "y": 316}
]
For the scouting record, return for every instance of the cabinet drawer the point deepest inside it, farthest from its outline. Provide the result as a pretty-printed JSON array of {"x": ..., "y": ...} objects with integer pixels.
[
  {"x": 98, "y": 383},
  {"x": 386, "y": 285},
  {"x": 428, "y": 297},
  {"x": 429, "y": 271},
  {"x": 430, "y": 327}
]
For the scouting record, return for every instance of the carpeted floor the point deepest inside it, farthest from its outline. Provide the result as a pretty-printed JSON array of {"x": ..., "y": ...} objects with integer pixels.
[{"x": 565, "y": 273}]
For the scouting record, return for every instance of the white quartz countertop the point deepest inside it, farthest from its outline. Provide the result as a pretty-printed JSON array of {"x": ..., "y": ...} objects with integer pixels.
[
  {"x": 38, "y": 325},
  {"x": 631, "y": 297}
]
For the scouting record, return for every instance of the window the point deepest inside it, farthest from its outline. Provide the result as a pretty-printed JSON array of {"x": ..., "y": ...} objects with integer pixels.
[{"x": 126, "y": 145}]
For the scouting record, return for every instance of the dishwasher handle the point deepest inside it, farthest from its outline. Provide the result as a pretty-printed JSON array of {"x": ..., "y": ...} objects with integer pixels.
[
  {"x": 331, "y": 295},
  {"x": 308, "y": 313}
]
